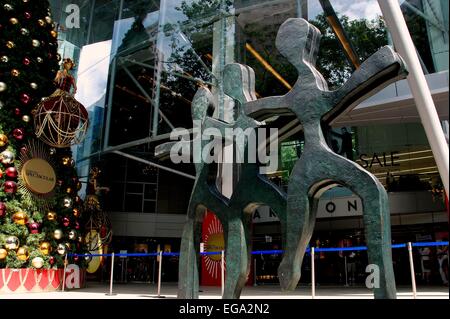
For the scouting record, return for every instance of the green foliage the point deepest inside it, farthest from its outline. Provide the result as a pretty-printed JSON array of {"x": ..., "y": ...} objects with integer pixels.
[{"x": 366, "y": 36}]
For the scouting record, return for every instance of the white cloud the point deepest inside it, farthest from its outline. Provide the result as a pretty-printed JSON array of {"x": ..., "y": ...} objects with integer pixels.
[{"x": 356, "y": 9}]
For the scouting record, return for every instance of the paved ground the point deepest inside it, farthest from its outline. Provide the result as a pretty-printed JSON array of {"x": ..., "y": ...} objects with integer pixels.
[{"x": 169, "y": 290}]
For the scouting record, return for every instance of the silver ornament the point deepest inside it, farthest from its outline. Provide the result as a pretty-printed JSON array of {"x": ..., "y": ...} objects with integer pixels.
[
  {"x": 61, "y": 249},
  {"x": 3, "y": 86},
  {"x": 4, "y": 59},
  {"x": 6, "y": 157},
  {"x": 36, "y": 43},
  {"x": 34, "y": 86}
]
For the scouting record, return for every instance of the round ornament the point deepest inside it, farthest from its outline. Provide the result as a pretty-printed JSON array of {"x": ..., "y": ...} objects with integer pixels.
[
  {"x": 36, "y": 43},
  {"x": 72, "y": 235},
  {"x": 13, "y": 21},
  {"x": 18, "y": 134},
  {"x": 3, "y": 253},
  {"x": 15, "y": 73},
  {"x": 7, "y": 157},
  {"x": 23, "y": 254},
  {"x": 3, "y": 86},
  {"x": 25, "y": 31},
  {"x": 61, "y": 249},
  {"x": 2, "y": 210},
  {"x": 34, "y": 228},
  {"x": 4, "y": 59},
  {"x": 10, "y": 187},
  {"x": 45, "y": 248},
  {"x": 57, "y": 234},
  {"x": 33, "y": 85},
  {"x": 10, "y": 44},
  {"x": 37, "y": 262},
  {"x": 20, "y": 218},
  {"x": 11, "y": 172},
  {"x": 67, "y": 202},
  {"x": 3, "y": 140},
  {"x": 12, "y": 243},
  {"x": 51, "y": 216}
]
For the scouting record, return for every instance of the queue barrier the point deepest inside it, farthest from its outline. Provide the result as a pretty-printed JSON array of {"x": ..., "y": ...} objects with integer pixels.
[{"x": 309, "y": 250}]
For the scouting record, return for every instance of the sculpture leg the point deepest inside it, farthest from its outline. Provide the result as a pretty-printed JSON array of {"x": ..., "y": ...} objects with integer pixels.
[
  {"x": 377, "y": 221},
  {"x": 188, "y": 268},
  {"x": 298, "y": 230},
  {"x": 237, "y": 259}
]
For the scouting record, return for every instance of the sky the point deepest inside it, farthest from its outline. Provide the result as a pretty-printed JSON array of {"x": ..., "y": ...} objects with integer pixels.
[{"x": 354, "y": 9}]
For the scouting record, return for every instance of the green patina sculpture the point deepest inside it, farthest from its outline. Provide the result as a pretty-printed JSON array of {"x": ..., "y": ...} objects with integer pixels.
[
  {"x": 317, "y": 170},
  {"x": 251, "y": 191}
]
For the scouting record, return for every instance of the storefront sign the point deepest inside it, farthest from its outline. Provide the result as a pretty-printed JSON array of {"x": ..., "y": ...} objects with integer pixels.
[
  {"x": 381, "y": 159},
  {"x": 38, "y": 176}
]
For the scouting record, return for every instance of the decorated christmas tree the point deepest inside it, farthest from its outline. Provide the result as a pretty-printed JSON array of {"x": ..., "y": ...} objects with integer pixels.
[{"x": 40, "y": 211}]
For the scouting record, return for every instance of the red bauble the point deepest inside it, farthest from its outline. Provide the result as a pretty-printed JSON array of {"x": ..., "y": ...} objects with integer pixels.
[
  {"x": 11, "y": 172},
  {"x": 25, "y": 98},
  {"x": 27, "y": 15},
  {"x": 18, "y": 134},
  {"x": 26, "y": 61},
  {"x": 77, "y": 225},
  {"x": 2, "y": 210},
  {"x": 34, "y": 228},
  {"x": 10, "y": 187},
  {"x": 17, "y": 111},
  {"x": 75, "y": 258},
  {"x": 51, "y": 260},
  {"x": 1, "y": 173},
  {"x": 66, "y": 221}
]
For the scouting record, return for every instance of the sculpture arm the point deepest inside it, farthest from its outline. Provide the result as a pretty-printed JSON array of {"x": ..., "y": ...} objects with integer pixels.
[
  {"x": 378, "y": 71},
  {"x": 265, "y": 108}
]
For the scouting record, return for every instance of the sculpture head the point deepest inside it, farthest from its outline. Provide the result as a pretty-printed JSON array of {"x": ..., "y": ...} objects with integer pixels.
[
  {"x": 202, "y": 104},
  {"x": 298, "y": 41}
]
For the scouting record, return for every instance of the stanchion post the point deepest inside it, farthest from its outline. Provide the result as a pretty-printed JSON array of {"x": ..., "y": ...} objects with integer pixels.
[
  {"x": 111, "y": 280},
  {"x": 345, "y": 269},
  {"x": 413, "y": 273},
  {"x": 159, "y": 273},
  {"x": 254, "y": 272},
  {"x": 64, "y": 274},
  {"x": 223, "y": 271},
  {"x": 313, "y": 274}
]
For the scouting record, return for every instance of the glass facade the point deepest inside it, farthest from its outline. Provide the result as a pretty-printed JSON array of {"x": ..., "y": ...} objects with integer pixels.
[{"x": 142, "y": 61}]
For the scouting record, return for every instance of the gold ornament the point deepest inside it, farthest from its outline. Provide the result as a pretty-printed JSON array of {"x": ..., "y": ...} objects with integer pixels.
[
  {"x": 26, "y": 118},
  {"x": 68, "y": 190},
  {"x": 41, "y": 22},
  {"x": 76, "y": 212},
  {"x": 54, "y": 33},
  {"x": 48, "y": 19},
  {"x": 51, "y": 216},
  {"x": 12, "y": 243},
  {"x": 3, "y": 140},
  {"x": 45, "y": 248},
  {"x": 22, "y": 254},
  {"x": 66, "y": 160},
  {"x": 37, "y": 262},
  {"x": 15, "y": 72},
  {"x": 20, "y": 218},
  {"x": 10, "y": 44},
  {"x": 3, "y": 253},
  {"x": 13, "y": 21}
]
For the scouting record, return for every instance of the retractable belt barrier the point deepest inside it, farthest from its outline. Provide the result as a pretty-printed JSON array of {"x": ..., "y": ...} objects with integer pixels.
[{"x": 310, "y": 250}]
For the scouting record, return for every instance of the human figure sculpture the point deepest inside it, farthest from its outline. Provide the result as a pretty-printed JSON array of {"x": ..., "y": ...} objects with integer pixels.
[
  {"x": 252, "y": 190},
  {"x": 319, "y": 168}
]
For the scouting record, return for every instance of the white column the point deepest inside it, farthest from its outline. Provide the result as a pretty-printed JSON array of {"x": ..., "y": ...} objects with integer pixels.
[{"x": 418, "y": 85}]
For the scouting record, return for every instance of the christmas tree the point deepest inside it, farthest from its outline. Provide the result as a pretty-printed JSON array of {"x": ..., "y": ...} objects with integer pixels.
[{"x": 36, "y": 231}]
